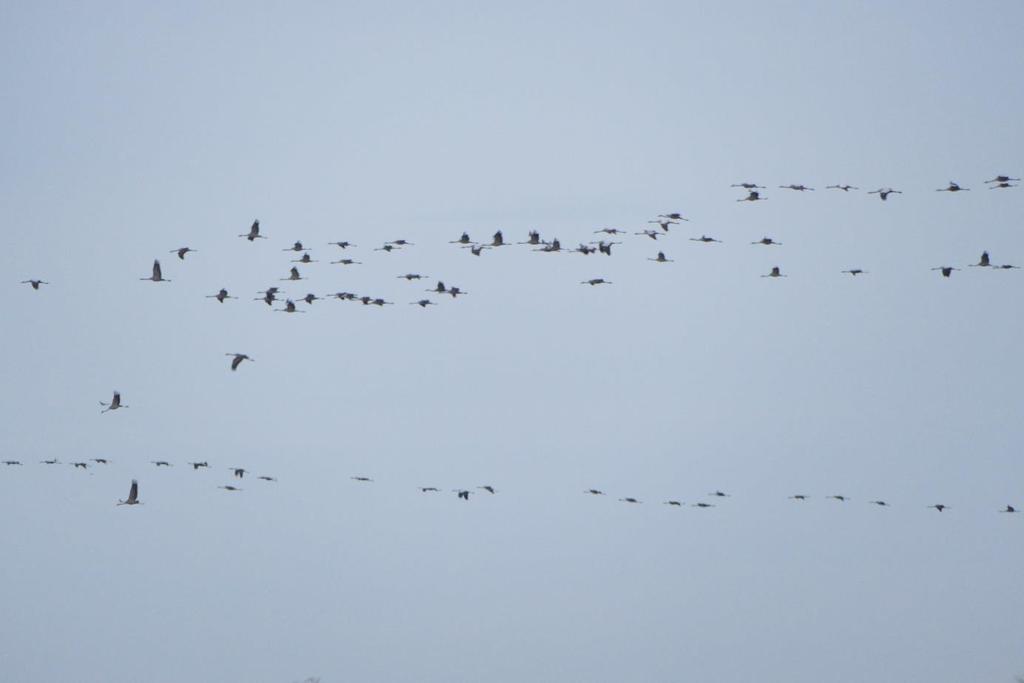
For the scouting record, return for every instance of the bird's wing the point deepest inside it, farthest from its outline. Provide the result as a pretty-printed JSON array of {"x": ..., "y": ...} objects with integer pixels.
[
  {"x": 133, "y": 494},
  {"x": 157, "y": 272}
]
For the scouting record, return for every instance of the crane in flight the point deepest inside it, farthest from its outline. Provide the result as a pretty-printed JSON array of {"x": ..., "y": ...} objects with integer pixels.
[
  {"x": 884, "y": 192},
  {"x": 34, "y": 283},
  {"x": 133, "y": 495},
  {"x": 237, "y": 359},
  {"x": 158, "y": 274},
  {"x": 114, "y": 404},
  {"x": 254, "y": 232},
  {"x": 182, "y": 251}
]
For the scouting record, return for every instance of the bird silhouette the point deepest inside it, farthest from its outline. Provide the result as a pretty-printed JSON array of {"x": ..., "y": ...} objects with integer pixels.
[
  {"x": 775, "y": 272},
  {"x": 157, "y": 275},
  {"x": 35, "y": 283},
  {"x": 237, "y": 358},
  {"x": 182, "y": 251},
  {"x": 133, "y": 495},
  {"x": 221, "y": 295},
  {"x": 254, "y": 232},
  {"x": 114, "y": 404},
  {"x": 884, "y": 192}
]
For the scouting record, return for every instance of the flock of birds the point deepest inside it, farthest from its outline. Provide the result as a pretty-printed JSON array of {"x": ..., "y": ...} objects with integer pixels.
[{"x": 604, "y": 246}]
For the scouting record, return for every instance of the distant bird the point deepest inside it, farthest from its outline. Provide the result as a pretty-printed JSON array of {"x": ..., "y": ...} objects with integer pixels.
[
  {"x": 237, "y": 358},
  {"x": 221, "y": 295},
  {"x": 953, "y": 187},
  {"x": 464, "y": 239},
  {"x": 182, "y": 251},
  {"x": 940, "y": 507},
  {"x": 133, "y": 495},
  {"x": 673, "y": 502},
  {"x": 161, "y": 463},
  {"x": 1009, "y": 508},
  {"x": 844, "y": 188},
  {"x": 880, "y": 503},
  {"x": 488, "y": 488},
  {"x": 594, "y": 492},
  {"x": 306, "y": 258},
  {"x": 50, "y": 462},
  {"x": 266, "y": 478},
  {"x": 12, "y": 463},
  {"x": 238, "y": 472},
  {"x": 343, "y": 245},
  {"x": 347, "y": 262},
  {"x": 611, "y": 231},
  {"x": 553, "y": 246},
  {"x": 229, "y": 487},
  {"x": 629, "y": 500},
  {"x": 983, "y": 262},
  {"x": 295, "y": 247},
  {"x": 412, "y": 276},
  {"x": 663, "y": 224},
  {"x": 80, "y": 465},
  {"x": 775, "y": 273},
  {"x": 661, "y": 258},
  {"x": 946, "y": 270},
  {"x": 360, "y": 479},
  {"x": 799, "y": 188},
  {"x": 344, "y": 296},
  {"x": 884, "y": 192},
  {"x": 254, "y": 232},
  {"x": 429, "y": 489},
  {"x": 381, "y": 302},
  {"x": 753, "y": 196},
  {"x": 497, "y": 240},
  {"x": 1002, "y": 179},
  {"x": 584, "y": 249},
  {"x": 596, "y": 281},
  {"x": 768, "y": 241},
  {"x": 650, "y": 233},
  {"x": 798, "y": 496},
  {"x": 854, "y": 271},
  {"x": 114, "y": 404},
  {"x": 533, "y": 238},
  {"x": 197, "y": 465},
  {"x": 703, "y": 505},
  {"x": 463, "y": 494},
  {"x": 748, "y": 186},
  {"x": 35, "y": 283},
  {"x": 310, "y": 298},
  {"x": 705, "y": 239},
  {"x": 439, "y": 288},
  {"x": 673, "y": 217},
  {"x": 477, "y": 249},
  {"x": 157, "y": 275},
  {"x": 289, "y": 307},
  {"x": 1002, "y": 186},
  {"x": 402, "y": 243},
  {"x": 422, "y": 303},
  {"x": 1006, "y": 266},
  {"x": 841, "y": 499},
  {"x": 719, "y": 494},
  {"x": 606, "y": 247},
  {"x": 268, "y": 298},
  {"x": 293, "y": 275},
  {"x": 101, "y": 461},
  {"x": 387, "y": 247}
]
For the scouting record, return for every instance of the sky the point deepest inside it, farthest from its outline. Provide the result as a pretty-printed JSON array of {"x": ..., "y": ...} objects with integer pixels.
[{"x": 133, "y": 130}]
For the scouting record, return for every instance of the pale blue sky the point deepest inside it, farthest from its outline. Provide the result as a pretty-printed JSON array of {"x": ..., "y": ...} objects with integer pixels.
[{"x": 132, "y": 130}]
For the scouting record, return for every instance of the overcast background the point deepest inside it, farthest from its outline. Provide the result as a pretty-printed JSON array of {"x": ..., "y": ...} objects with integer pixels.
[{"x": 131, "y": 130}]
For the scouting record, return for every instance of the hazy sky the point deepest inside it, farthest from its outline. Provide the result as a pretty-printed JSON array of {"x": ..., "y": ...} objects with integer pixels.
[{"x": 130, "y": 131}]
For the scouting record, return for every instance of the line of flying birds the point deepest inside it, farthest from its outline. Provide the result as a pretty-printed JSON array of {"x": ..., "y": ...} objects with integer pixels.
[{"x": 465, "y": 493}]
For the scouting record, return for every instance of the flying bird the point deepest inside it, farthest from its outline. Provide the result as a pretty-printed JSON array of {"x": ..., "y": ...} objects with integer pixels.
[
  {"x": 661, "y": 258},
  {"x": 983, "y": 262},
  {"x": 855, "y": 272},
  {"x": 306, "y": 258},
  {"x": 946, "y": 270},
  {"x": 133, "y": 495},
  {"x": 775, "y": 273},
  {"x": 157, "y": 275},
  {"x": 237, "y": 359},
  {"x": 768, "y": 241},
  {"x": 289, "y": 307},
  {"x": 35, "y": 283},
  {"x": 753, "y": 196},
  {"x": 347, "y": 262},
  {"x": 182, "y": 251},
  {"x": 293, "y": 275},
  {"x": 161, "y": 463},
  {"x": 884, "y": 192},
  {"x": 748, "y": 186},
  {"x": 940, "y": 507},
  {"x": 343, "y": 245},
  {"x": 295, "y": 247},
  {"x": 221, "y": 295},
  {"x": 197, "y": 465},
  {"x": 596, "y": 281},
  {"x": 254, "y": 232},
  {"x": 844, "y": 188},
  {"x": 705, "y": 239},
  {"x": 799, "y": 188},
  {"x": 953, "y": 187},
  {"x": 114, "y": 404},
  {"x": 422, "y": 303}
]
